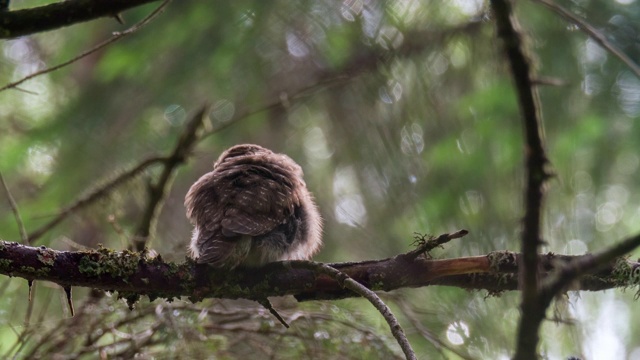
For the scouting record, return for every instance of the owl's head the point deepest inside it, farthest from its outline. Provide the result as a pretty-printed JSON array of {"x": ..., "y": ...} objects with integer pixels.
[
  {"x": 251, "y": 154},
  {"x": 241, "y": 150}
]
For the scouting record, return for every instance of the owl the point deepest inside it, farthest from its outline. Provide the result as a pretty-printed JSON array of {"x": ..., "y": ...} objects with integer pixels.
[{"x": 252, "y": 209}]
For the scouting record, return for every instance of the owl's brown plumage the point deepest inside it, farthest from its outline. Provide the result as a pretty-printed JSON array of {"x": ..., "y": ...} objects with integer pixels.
[{"x": 252, "y": 209}]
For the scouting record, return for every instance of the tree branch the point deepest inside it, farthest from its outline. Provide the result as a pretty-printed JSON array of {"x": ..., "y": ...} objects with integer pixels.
[
  {"x": 133, "y": 274},
  {"x": 64, "y": 13},
  {"x": 584, "y": 265}
]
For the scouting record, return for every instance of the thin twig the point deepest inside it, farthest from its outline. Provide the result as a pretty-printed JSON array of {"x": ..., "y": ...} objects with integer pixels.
[
  {"x": 68, "y": 294},
  {"x": 407, "y": 310},
  {"x": 116, "y": 36},
  {"x": 26, "y": 91},
  {"x": 361, "y": 290},
  {"x": 16, "y": 212},
  {"x": 593, "y": 33},
  {"x": 536, "y": 163},
  {"x": 28, "y": 330},
  {"x": 267, "y": 305},
  {"x": 31, "y": 295}
]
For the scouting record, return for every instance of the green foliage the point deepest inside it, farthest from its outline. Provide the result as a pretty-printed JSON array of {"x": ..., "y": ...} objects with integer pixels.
[{"x": 404, "y": 118}]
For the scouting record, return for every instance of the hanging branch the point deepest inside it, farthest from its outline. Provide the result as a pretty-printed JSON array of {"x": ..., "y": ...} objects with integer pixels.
[{"x": 536, "y": 175}]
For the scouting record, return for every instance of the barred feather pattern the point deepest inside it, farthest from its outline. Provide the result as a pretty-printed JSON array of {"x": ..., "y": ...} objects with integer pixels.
[{"x": 252, "y": 209}]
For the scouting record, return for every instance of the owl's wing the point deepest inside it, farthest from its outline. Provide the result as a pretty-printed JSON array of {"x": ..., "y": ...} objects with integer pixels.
[
  {"x": 257, "y": 206},
  {"x": 219, "y": 251}
]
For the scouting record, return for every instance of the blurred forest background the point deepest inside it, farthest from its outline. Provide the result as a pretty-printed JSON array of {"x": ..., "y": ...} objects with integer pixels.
[{"x": 404, "y": 118}]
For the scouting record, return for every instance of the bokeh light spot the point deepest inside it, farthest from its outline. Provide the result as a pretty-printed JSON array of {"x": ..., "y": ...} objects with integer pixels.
[
  {"x": 175, "y": 114},
  {"x": 457, "y": 332}
]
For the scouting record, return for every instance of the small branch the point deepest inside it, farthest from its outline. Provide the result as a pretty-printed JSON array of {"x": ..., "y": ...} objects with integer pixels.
[
  {"x": 30, "y": 297},
  {"x": 157, "y": 191},
  {"x": 415, "y": 320},
  {"x": 117, "y": 36},
  {"x": 30, "y": 285},
  {"x": 361, "y": 290},
  {"x": 536, "y": 175},
  {"x": 577, "y": 267},
  {"x": 428, "y": 245},
  {"x": 67, "y": 292},
  {"x": 16, "y": 212},
  {"x": 267, "y": 305},
  {"x": 60, "y": 14},
  {"x": 95, "y": 195},
  {"x": 593, "y": 33}
]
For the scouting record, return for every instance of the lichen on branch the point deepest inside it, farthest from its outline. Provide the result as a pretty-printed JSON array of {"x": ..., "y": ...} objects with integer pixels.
[{"x": 135, "y": 274}]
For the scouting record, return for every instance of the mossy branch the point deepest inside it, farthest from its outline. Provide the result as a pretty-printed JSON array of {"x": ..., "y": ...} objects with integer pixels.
[{"x": 134, "y": 274}]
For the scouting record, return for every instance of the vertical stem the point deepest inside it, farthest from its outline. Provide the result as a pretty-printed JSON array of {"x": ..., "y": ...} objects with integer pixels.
[{"x": 535, "y": 166}]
